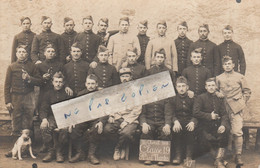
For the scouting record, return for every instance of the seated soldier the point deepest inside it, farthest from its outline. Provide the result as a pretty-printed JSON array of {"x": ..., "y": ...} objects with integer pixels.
[
  {"x": 93, "y": 128},
  {"x": 124, "y": 123},
  {"x": 213, "y": 121},
  {"x": 183, "y": 122},
  {"x": 55, "y": 141}
]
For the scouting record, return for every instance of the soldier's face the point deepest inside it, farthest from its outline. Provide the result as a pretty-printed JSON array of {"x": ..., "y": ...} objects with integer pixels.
[
  {"x": 87, "y": 24},
  {"x": 124, "y": 26},
  {"x": 102, "y": 26},
  {"x": 75, "y": 53},
  {"x": 46, "y": 24},
  {"x": 69, "y": 26},
  {"x": 21, "y": 54},
  {"x": 182, "y": 30},
  {"x": 211, "y": 87},
  {"x": 131, "y": 57},
  {"x": 49, "y": 53},
  {"x": 26, "y": 25},
  {"x": 159, "y": 59},
  {"x": 142, "y": 29},
  {"x": 182, "y": 88},
  {"x": 196, "y": 58},
  {"x": 227, "y": 34},
  {"x": 161, "y": 29},
  {"x": 203, "y": 33},
  {"x": 103, "y": 57},
  {"x": 57, "y": 83},
  {"x": 228, "y": 66},
  {"x": 91, "y": 84},
  {"x": 125, "y": 78}
]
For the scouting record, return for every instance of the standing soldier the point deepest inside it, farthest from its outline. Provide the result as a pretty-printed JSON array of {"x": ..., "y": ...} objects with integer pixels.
[
  {"x": 23, "y": 38},
  {"x": 162, "y": 41},
  {"x": 68, "y": 36},
  {"x": 143, "y": 39},
  {"x": 182, "y": 45},
  {"x": 43, "y": 39},
  {"x": 121, "y": 42},
  {"x": 232, "y": 49},
  {"x": 210, "y": 57}
]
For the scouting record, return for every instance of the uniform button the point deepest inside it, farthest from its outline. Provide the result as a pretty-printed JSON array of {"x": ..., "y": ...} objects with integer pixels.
[{"x": 104, "y": 70}]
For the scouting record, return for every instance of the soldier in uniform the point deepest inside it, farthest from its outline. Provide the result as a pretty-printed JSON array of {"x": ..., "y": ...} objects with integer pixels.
[
  {"x": 196, "y": 74},
  {"x": 143, "y": 39},
  {"x": 213, "y": 121},
  {"x": 162, "y": 41},
  {"x": 68, "y": 36},
  {"x": 93, "y": 128},
  {"x": 182, "y": 45},
  {"x": 88, "y": 40},
  {"x": 54, "y": 139},
  {"x": 23, "y": 38},
  {"x": 210, "y": 58},
  {"x": 120, "y": 42},
  {"x": 106, "y": 73},
  {"x": 75, "y": 71},
  {"x": 43, "y": 39},
  {"x": 183, "y": 122}
]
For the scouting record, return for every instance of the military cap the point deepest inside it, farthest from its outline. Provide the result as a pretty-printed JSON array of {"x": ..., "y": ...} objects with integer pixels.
[
  {"x": 124, "y": 19},
  {"x": 93, "y": 77},
  {"x": 22, "y": 46},
  {"x": 228, "y": 27},
  {"x": 105, "y": 20},
  {"x": 182, "y": 79},
  {"x": 67, "y": 19},
  {"x": 226, "y": 58},
  {"x": 197, "y": 50},
  {"x": 205, "y": 26},
  {"x": 133, "y": 49},
  {"x": 144, "y": 22},
  {"x": 58, "y": 75},
  {"x": 213, "y": 79},
  {"x": 89, "y": 17},
  {"x": 49, "y": 45},
  {"x": 160, "y": 51},
  {"x": 102, "y": 48},
  {"x": 162, "y": 22},
  {"x": 77, "y": 45},
  {"x": 123, "y": 71},
  {"x": 44, "y": 18},
  {"x": 24, "y": 18},
  {"x": 184, "y": 23}
]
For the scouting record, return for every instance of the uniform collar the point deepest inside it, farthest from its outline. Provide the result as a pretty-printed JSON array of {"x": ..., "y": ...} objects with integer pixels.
[
  {"x": 101, "y": 33},
  {"x": 141, "y": 35},
  {"x": 182, "y": 38},
  {"x": 204, "y": 40},
  {"x": 27, "y": 31},
  {"x": 228, "y": 41},
  {"x": 47, "y": 31},
  {"x": 88, "y": 32},
  {"x": 49, "y": 60},
  {"x": 23, "y": 61},
  {"x": 184, "y": 95},
  {"x": 70, "y": 32},
  {"x": 100, "y": 63}
]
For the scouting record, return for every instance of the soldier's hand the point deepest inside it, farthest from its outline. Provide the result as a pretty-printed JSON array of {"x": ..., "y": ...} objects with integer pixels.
[
  {"x": 221, "y": 129},
  {"x": 123, "y": 125},
  {"x": 38, "y": 62},
  {"x": 190, "y": 126},
  {"x": 93, "y": 64},
  {"x": 25, "y": 75},
  {"x": 111, "y": 119},
  {"x": 190, "y": 93},
  {"x": 99, "y": 126},
  {"x": 146, "y": 128},
  {"x": 45, "y": 124},
  {"x": 214, "y": 116},
  {"x": 69, "y": 91},
  {"x": 46, "y": 76},
  {"x": 9, "y": 106},
  {"x": 220, "y": 95},
  {"x": 70, "y": 128},
  {"x": 167, "y": 129},
  {"x": 177, "y": 126},
  {"x": 68, "y": 58}
]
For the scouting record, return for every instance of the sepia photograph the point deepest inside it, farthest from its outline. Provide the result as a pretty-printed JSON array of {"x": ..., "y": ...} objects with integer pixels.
[{"x": 129, "y": 83}]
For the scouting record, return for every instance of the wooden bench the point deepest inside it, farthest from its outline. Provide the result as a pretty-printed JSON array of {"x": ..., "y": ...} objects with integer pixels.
[{"x": 251, "y": 125}]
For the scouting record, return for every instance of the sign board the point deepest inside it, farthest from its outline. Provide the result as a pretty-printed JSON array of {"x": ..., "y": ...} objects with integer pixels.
[
  {"x": 113, "y": 99},
  {"x": 155, "y": 150}
]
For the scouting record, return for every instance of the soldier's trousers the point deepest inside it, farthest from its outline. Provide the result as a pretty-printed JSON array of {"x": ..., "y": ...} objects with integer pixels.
[
  {"x": 214, "y": 139},
  {"x": 22, "y": 113},
  {"x": 125, "y": 135},
  {"x": 156, "y": 133}
]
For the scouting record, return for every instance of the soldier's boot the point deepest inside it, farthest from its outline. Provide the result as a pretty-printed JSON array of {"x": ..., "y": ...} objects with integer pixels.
[
  {"x": 238, "y": 141},
  {"x": 91, "y": 154},
  {"x": 50, "y": 156},
  {"x": 177, "y": 158},
  {"x": 59, "y": 155},
  {"x": 80, "y": 154},
  {"x": 219, "y": 162}
]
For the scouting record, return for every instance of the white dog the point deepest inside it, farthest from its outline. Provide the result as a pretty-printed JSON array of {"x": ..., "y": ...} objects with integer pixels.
[{"x": 22, "y": 142}]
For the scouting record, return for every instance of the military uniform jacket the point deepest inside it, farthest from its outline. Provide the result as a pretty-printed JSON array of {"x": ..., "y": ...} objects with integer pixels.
[
  {"x": 168, "y": 44},
  {"x": 51, "y": 97},
  {"x": 90, "y": 43},
  {"x": 181, "y": 108},
  {"x": 14, "y": 84},
  {"x": 42, "y": 40},
  {"x": 182, "y": 47},
  {"x": 48, "y": 66},
  {"x": 104, "y": 42},
  {"x": 210, "y": 58},
  {"x": 143, "y": 40},
  {"x": 75, "y": 73},
  {"x": 156, "y": 69},
  {"x": 138, "y": 70},
  {"x": 68, "y": 39},
  {"x": 106, "y": 74},
  {"x": 204, "y": 105},
  {"x": 23, "y": 38},
  {"x": 197, "y": 76},
  {"x": 236, "y": 52}
]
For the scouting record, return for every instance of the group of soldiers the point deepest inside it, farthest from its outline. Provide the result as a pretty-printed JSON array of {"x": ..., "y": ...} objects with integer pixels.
[{"x": 209, "y": 80}]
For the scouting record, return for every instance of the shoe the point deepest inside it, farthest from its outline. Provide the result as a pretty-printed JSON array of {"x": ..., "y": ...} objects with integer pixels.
[
  {"x": 122, "y": 155},
  {"x": 177, "y": 160},
  {"x": 116, "y": 154},
  {"x": 49, "y": 157},
  {"x": 160, "y": 163},
  {"x": 147, "y": 162},
  {"x": 238, "y": 160},
  {"x": 93, "y": 160},
  {"x": 78, "y": 157},
  {"x": 59, "y": 157}
]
